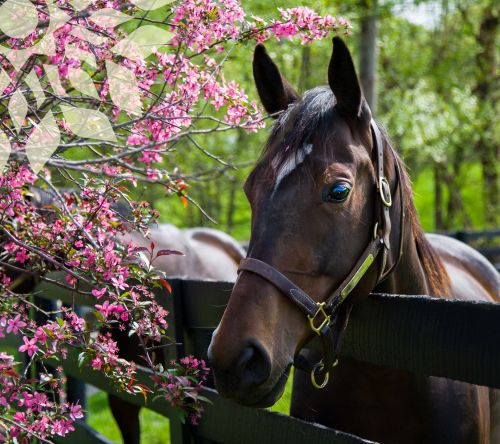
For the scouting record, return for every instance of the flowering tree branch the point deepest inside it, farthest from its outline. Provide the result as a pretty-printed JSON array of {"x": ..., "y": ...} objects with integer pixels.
[{"x": 87, "y": 104}]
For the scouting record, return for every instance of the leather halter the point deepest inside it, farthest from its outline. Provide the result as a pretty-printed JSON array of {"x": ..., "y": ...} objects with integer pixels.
[{"x": 329, "y": 319}]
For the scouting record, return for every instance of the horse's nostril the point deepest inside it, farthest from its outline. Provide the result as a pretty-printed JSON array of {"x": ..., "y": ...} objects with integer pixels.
[{"x": 254, "y": 365}]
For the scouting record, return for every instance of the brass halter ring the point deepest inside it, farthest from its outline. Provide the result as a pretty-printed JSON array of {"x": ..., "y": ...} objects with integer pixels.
[{"x": 326, "y": 378}]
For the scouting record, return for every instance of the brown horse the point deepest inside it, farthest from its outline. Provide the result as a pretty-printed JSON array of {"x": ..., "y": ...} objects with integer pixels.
[
  {"x": 324, "y": 229},
  {"x": 208, "y": 255}
]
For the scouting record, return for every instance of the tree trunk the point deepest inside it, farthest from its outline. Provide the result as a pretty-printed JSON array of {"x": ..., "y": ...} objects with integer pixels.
[
  {"x": 305, "y": 69},
  {"x": 231, "y": 207},
  {"x": 455, "y": 215},
  {"x": 487, "y": 145},
  {"x": 368, "y": 54},
  {"x": 438, "y": 197}
]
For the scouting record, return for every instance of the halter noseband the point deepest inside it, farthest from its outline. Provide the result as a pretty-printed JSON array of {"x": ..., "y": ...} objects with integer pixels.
[{"x": 325, "y": 318}]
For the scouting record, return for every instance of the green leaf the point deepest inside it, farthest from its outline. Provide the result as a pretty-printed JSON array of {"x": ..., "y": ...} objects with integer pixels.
[
  {"x": 82, "y": 357},
  {"x": 181, "y": 415},
  {"x": 204, "y": 399}
]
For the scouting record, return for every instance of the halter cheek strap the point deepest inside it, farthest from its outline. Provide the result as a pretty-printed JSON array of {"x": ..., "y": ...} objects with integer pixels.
[{"x": 329, "y": 319}]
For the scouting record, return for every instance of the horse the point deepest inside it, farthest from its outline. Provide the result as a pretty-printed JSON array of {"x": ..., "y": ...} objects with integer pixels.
[
  {"x": 333, "y": 220},
  {"x": 208, "y": 254}
]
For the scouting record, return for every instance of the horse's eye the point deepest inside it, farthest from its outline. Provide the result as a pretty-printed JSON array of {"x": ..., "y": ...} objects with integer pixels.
[{"x": 337, "y": 192}]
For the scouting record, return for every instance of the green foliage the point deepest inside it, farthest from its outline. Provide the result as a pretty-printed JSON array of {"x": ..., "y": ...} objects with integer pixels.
[{"x": 427, "y": 79}]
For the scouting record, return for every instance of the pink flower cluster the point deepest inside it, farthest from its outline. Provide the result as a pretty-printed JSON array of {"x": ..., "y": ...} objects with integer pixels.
[
  {"x": 201, "y": 23},
  {"x": 181, "y": 385},
  {"x": 28, "y": 410},
  {"x": 308, "y": 24}
]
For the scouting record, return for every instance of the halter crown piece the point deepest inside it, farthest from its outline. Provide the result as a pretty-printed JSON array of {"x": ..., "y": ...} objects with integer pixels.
[{"x": 326, "y": 319}]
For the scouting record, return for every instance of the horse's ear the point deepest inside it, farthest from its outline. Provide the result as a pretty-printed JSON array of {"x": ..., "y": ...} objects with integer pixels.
[
  {"x": 343, "y": 80},
  {"x": 274, "y": 91}
]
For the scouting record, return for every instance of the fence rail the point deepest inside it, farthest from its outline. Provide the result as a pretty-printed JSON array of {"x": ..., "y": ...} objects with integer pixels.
[
  {"x": 222, "y": 421},
  {"x": 195, "y": 309}
]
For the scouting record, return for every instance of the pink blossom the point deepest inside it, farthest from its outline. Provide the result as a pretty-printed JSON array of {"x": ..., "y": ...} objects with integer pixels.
[
  {"x": 96, "y": 363},
  {"x": 75, "y": 411},
  {"x": 105, "y": 308},
  {"x": 13, "y": 325},
  {"x": 22, "y": 256},
  {"x": 98, "y": 293},
  {"x": 61, "y": 427},
  {"x": 29, "y": 346}
]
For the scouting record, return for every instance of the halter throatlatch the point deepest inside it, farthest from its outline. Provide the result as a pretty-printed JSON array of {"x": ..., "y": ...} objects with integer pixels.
[{"x": 328, "y": 319}]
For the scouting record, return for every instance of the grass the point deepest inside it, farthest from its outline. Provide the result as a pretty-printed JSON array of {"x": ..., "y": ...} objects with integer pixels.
[{"x": 154, "y": 427}]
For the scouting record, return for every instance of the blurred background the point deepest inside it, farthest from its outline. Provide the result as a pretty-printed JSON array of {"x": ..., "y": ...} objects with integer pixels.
[{"x": 429, "y": 71}]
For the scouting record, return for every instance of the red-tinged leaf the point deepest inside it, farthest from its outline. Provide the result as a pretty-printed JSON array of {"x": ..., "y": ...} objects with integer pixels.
[
  {"x": 10, "y": 372},
  {"x": 143, "y": 390},
  {"x": 166, "y": 285},
  {"x": 139, "y": 249},
  {"x": 152, "y": 246},
  {"x": 156, "y": 379},
  {"x": 184, "y": 201},
  {"x": 169, "y": 252},
  {"x": 132, "y": 380}
]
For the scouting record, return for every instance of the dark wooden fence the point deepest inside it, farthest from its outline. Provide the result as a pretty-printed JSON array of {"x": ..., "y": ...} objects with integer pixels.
[
  {"x": 432, "y": 337},
  {"x": 429, "y": 336},
  {"x": 487, "y": 242}
]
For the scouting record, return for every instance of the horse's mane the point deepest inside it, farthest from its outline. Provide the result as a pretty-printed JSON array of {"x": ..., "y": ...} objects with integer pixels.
[
  {"x": 437, "y": 277},
  {"x": 313, "y": 115}
]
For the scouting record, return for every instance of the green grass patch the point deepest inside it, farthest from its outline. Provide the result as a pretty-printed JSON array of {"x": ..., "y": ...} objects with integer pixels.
[
  {"x": 283, "y": 404},
  {"x": 155, "y": 429}
]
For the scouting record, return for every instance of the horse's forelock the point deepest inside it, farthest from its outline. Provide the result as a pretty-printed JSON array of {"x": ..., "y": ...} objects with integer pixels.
[{"x": 309, "y": 118}]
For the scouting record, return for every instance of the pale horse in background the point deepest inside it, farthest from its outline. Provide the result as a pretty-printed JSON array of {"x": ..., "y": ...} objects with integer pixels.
[{"x": 208, "y": 254}]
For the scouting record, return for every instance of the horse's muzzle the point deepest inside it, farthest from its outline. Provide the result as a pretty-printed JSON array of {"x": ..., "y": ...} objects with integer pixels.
[{"x": 246, "y": 376}]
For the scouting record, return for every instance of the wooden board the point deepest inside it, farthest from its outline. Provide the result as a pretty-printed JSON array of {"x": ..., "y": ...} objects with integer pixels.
[
  {"x": 224, "y": 421},
  {"x": 83, "y": 434}
]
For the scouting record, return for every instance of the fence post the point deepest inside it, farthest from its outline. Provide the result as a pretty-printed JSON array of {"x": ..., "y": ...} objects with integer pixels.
[
  {"x": 462, "y": 236},
  {"x": 179, "y": 432}
]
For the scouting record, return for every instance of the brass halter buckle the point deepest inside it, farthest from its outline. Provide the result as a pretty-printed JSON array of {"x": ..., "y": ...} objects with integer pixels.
[
  {"x": 326, "y": 377},
  {"x": 312, "y": 319},
  {"x": 385, "y": 191}
]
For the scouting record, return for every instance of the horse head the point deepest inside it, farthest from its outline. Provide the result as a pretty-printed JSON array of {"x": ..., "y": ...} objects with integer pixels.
[{"x": 313, "y": 195}]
